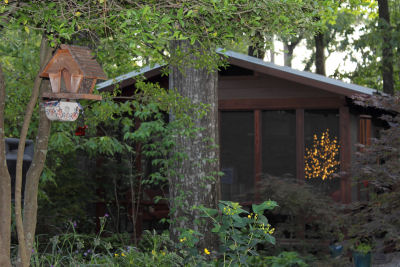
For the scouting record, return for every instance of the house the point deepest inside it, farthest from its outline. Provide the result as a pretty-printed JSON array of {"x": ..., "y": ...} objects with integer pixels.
[{"x": 269, "y": 115}]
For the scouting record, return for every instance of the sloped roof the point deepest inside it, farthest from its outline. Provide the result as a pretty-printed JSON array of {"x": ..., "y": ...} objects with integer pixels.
[
  {"x": 258, "y": 65},
  {"x": 128, "y": 78},
  {"x": 86, "y": 61}
]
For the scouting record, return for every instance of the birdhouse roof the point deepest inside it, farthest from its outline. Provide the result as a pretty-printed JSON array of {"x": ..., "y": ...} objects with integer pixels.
[{"x": 83, "y": 58}]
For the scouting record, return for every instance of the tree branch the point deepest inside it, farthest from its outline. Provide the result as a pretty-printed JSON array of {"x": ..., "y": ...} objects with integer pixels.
[
  {"x": 39, "y": 158},
  {"x": 5, "y": 186},
  {"x": 23, "y": 260}
]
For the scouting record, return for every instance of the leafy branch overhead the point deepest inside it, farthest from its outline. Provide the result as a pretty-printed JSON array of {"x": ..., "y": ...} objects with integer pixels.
[{"x": 127, "y": 31}]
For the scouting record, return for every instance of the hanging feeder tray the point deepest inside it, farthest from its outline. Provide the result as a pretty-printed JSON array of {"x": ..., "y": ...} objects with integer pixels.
[{"x": 62, "y": 110}]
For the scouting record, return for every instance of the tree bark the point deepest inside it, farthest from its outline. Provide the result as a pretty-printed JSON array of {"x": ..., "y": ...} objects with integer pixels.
[
  {"x": 5, "y": 186},
  {"x": 257, "y": 50},
  {"x": 320, "y": 54},
  {"x": 200, "y": 86},
  {"x": 23, "y": 259},
  {"x": 387, "y": 48},
  {"x": 289, "y": 47},
  {"x": 39, "y": 158}
]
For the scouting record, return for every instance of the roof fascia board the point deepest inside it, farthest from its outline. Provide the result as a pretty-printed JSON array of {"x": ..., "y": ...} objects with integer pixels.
[
  {"x": 128, "y": 78},
  {"x": 307, "y": 78}
]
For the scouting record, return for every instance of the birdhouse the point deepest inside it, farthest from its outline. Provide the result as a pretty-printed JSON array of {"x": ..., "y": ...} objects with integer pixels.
[{"x": 73, "y": 73}]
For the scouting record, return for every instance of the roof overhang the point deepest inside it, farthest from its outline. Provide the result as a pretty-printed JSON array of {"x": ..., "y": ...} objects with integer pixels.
[{"x": 257, "y": 65}]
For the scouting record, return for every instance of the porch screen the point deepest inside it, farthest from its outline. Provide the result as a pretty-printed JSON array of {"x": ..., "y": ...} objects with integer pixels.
[
  {"x": 237, "y": 155},
  {"x": 317, "y": 122},
  {"x": 279, "y": 143}
]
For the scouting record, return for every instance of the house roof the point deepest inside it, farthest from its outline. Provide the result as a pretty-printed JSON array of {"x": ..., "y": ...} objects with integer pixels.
[
  {"x": 84, "y": 61},
  {"x": 258, "y": 65}
]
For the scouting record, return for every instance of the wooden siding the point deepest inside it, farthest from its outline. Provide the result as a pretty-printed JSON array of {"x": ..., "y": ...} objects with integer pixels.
[{"x": 264, "y": 86}]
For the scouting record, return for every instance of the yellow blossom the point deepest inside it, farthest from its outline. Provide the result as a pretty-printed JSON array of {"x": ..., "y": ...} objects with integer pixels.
[
  {"x": 122, "y": 254},
  {"x": 206, "y": 251},
  {"x": 153, "y": 252},
  {"x": 321, "y": 158},
  {"x": 116, "y": 255}
]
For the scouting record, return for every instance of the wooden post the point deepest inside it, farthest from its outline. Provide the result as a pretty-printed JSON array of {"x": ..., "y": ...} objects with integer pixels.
[
  {"x": 345, "y": 154},
  {"x": 300, "y": 233},
  {"x": 257, "y": 152},
  {"x": 300, "y": 145},
  {"x": 364, "y": 138}
]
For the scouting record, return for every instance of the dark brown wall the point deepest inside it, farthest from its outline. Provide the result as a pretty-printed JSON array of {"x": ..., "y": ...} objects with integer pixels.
[{"x": 265, "y": 86}]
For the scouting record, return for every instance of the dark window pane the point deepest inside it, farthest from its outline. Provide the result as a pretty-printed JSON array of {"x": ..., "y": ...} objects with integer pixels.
[
  {"x": 237, "y": 155},
  {"x": 279, "y": 143},
  {"x": 317, "y": 122}
]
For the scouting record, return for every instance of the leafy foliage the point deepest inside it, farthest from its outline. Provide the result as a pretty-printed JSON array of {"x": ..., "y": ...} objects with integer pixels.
[{"x": 377, "y": 166}]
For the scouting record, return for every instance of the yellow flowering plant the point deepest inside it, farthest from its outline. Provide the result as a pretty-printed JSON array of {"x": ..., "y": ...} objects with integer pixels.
[
  {"x": 239, "y": 231},
  {"x": 322, "y": 158}
]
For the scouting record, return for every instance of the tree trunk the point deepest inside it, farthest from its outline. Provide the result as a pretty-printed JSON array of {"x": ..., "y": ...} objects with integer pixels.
[
  {"x": 387, "y": 49},
  {"x": 257, "y": 50},
  {"x": 200, "y": 86},
  {"x": 319, "y": 54},
  {"x": 39, "y": 158},
  {"x": 5, "y": 186},
  {"x": 288, "y": 55},
  {"x": 23, "y": 259},
  {"x": 289, "y": 47}
]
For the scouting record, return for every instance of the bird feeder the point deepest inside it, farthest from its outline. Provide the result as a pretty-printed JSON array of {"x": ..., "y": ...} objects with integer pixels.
[{"x": 73, "y": 73}]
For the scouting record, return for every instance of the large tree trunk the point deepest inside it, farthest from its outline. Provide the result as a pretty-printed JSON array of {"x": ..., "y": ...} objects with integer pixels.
[
  {"x": 23, "y": 254},
  {"x": 5, "y": 186},
  {"x": 200, "y": 86},
  {"x": 320, "y": 54},
  {"x": 387, "y": 48},
  {"x": 39, "y": 158}
]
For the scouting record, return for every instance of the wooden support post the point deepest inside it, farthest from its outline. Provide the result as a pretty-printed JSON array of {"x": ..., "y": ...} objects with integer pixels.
[
  {"x": 300, "y": 233},
  {"x": 257, "y": 152},
  {"x": 345, "y": 154},
  {"x": 300, "y": 145},
  {"x": 364, "y": 138}
]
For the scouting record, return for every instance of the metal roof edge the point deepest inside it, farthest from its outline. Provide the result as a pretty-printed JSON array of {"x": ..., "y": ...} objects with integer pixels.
[
  {"x": 305, "y": 74},
  {"x": 253, "y": 60},
  {"x": 129, "y": 75}
]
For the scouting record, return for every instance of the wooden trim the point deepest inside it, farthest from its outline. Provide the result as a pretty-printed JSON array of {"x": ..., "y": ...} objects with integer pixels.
[
  {"x": 282, "y": 103},
  {"x": 300, "y": 145},
  {"x": 257, "y": 152},
  {"x": 336, "y": 89},
  {"x": 219, "y": 185},
  {"x": 364, "y": 130},
  {"x": 345, "y": 154},
  {"x": 45, "y": 73},
  {"x": 364, "y": 138},
  {"x": 71, "y": 96},
  {"x": 92, "y": 86}
]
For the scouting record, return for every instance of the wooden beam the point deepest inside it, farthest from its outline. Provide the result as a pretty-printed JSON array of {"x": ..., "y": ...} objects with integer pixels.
[
  {"x": 345, "y": 154},
  {"x": 298, "y": 78},
  {"x": 71, "y": 96},
  {"x": 282, "y": 103},
  {"x": 257, "y": 152},
  {"x": 364, "y": 138},
  {"x": 300, "y": 145}
]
